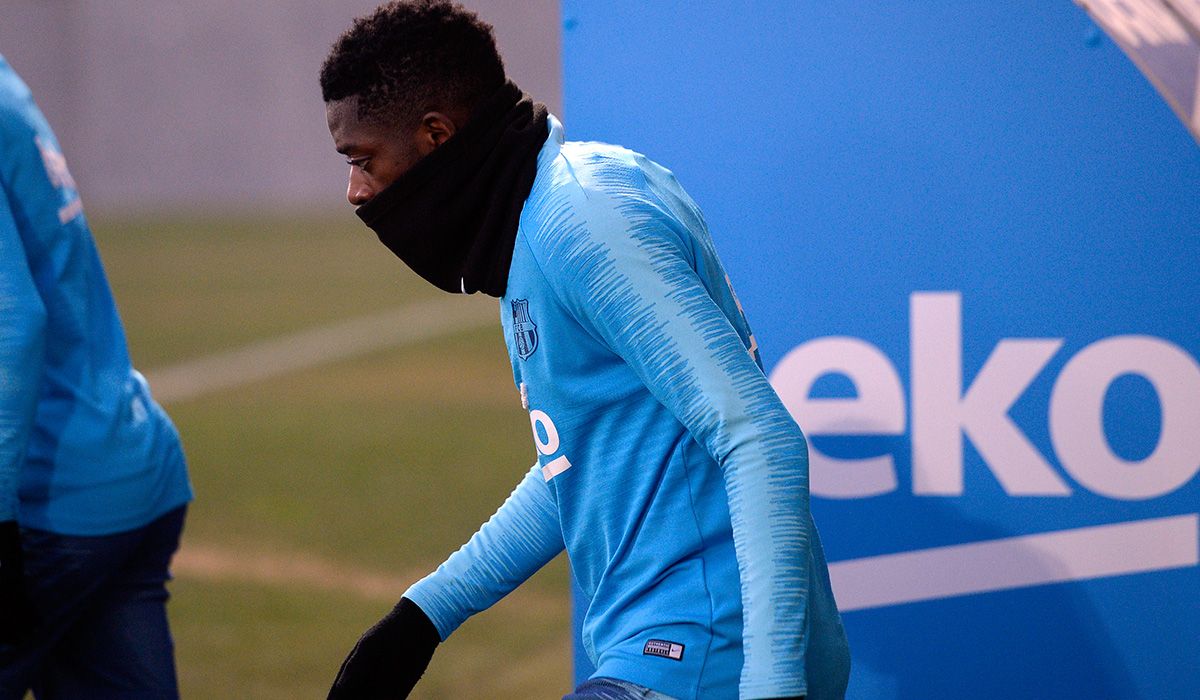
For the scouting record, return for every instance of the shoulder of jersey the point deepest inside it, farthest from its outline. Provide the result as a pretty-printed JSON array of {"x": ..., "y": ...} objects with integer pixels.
[
  {"x": 580, "y": 193},
  {"x": 16, "y": 125}
]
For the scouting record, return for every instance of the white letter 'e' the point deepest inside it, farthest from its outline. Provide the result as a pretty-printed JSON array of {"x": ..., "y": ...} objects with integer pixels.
[{"x": 878, "y": 410}]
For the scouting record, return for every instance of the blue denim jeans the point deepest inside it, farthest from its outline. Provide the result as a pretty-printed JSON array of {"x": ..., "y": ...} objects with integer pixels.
[
  {"x": 100, "y": 604},
  {"x": 613, "y": 689}
]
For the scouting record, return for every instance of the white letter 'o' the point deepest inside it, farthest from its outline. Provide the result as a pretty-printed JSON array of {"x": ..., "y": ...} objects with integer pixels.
[
  {"x": 1077, "y": 417},
  {"x": 550, "y": 445}
]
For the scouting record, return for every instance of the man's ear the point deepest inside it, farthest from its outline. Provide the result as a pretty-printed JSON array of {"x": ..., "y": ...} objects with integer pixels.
[{"x": 436, "y": 128}]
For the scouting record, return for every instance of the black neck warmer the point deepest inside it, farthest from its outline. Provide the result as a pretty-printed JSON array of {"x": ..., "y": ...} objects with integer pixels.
[{"x": 453, "y": 217}]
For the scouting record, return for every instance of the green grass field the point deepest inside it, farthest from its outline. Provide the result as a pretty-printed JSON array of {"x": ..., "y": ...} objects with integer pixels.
[{"x": 379, "y": 465}]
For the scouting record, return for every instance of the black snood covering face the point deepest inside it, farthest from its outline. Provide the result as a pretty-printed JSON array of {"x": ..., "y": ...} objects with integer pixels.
[{"x": 453, "y": 217}]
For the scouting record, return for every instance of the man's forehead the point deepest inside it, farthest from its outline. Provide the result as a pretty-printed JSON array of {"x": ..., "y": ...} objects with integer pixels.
[
  {"x": 349, "y": 131},
  {"x": 345, "y": 106}
]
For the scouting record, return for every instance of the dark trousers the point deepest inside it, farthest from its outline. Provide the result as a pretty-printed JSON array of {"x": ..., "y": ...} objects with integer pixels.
[
  {"x": 602, "y": 688},
  {"x": 100, "y": 604}
]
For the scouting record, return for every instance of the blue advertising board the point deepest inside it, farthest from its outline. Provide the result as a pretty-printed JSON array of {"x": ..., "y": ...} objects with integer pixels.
[{"x": 968, "y": 238}]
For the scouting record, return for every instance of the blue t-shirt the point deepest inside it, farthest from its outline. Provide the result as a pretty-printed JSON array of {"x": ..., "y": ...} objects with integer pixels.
[
  {"x": 84, "y": 449},
  {"x": 667, "y": 466}
]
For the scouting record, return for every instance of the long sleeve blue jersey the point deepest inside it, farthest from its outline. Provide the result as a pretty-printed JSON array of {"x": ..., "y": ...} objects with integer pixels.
[
  {"x": 667, "y": 466},
  {"x": 84, "y": 450}
]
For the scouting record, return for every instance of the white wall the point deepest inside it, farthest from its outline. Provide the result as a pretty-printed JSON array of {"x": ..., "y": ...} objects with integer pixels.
[{"x": 213, "y": 105}]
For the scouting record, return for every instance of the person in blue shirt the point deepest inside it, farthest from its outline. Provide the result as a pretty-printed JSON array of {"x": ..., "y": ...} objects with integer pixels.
[
  {"x": 93, "y": 483},
  {"x": 666, "y": 465}
]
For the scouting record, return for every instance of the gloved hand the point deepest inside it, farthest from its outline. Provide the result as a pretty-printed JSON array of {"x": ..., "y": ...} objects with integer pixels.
[
  {"x": 389, "y": 658},
  {"x": 16, "y": 613}
]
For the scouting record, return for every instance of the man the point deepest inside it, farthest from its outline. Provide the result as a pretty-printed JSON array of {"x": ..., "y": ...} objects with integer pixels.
[
  {"x": 667, "y": 467},
  {"x": 93, "y": 484}
]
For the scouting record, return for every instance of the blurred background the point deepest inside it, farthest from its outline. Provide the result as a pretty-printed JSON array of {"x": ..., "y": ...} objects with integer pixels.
[
  {"x": 197, "y": 135},
  {"x": 169, "y": 105}
]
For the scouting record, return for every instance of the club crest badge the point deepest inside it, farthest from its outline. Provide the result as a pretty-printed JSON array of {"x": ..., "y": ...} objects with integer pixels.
[{"x": 524, "y": 329}]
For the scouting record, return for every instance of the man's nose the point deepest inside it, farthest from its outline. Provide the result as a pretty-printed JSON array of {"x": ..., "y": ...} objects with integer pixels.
[{"x": 358, "y": 192}]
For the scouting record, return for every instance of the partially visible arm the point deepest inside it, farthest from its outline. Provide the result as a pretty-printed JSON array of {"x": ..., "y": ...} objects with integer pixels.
[
  {"x": 522, "y": 537},
  {"x": 519, "y": 539},
  {"x": 22, "y": 328},
  {"x": 626, "y": 273}
]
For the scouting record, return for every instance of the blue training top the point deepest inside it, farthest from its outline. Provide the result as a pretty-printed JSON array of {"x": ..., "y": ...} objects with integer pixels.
[
  {"x": 667, "y": 466},
  {"x": 84, "y": 450}
]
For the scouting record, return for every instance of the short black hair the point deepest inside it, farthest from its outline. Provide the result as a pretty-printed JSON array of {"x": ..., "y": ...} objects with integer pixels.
[{"x": 412, "y": 56}]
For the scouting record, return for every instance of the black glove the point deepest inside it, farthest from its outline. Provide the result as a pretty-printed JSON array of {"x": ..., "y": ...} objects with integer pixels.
[
  {"x": 389, "y": 658},
  {"x": 16, "y": 613}
]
